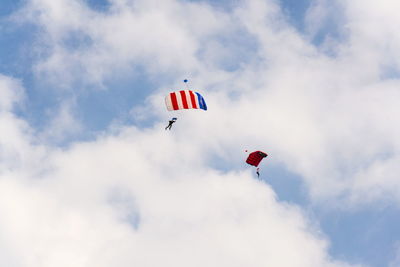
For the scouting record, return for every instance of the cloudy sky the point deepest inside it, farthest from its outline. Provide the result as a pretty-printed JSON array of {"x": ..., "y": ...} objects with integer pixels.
[{"x": 90, "y": 178}]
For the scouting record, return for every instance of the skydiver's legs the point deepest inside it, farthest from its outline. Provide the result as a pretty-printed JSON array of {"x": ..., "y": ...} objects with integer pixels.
[{"x": 169, "y": 126}]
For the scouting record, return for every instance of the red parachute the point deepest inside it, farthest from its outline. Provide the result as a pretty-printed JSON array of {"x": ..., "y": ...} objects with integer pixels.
[{"x": 255, "y": 158}]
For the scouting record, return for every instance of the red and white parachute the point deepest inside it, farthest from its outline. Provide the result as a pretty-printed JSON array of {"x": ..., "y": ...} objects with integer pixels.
[{"x": 185, "y": 99}]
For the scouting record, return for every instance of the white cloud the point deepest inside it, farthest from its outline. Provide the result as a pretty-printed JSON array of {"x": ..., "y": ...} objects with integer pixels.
[
  {"x": 140, "y": 197},
  {"x": 87, "y": 46},
  {"x": 332, "y": 120},
  {"x": 14, "y": 143},
  {"x": 148, "y": 197},
  {"x": 11, "y": 93},
  {"x": 130, "y": 200},
  {"x": 62, "y": 125}
]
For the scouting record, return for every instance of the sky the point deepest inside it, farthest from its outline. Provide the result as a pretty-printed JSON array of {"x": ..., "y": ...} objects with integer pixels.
[{"x": 89, "y": 177}]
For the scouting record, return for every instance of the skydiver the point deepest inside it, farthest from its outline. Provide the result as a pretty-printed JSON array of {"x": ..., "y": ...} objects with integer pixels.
[
  {"x": 258, "y": 172},
  {"x": 170, "y": 123}
]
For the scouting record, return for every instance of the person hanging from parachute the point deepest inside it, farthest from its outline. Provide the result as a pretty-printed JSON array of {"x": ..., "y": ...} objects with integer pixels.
[
  {"x": 255, "y": 158},
  {"x": 184, "y": 99},
  {"x": 172, "y": 121}
]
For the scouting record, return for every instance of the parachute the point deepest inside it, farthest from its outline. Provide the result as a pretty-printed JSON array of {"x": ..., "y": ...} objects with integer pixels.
[
  {"x": 255, "y": 158},
  {"x": 185, "y": 99}
]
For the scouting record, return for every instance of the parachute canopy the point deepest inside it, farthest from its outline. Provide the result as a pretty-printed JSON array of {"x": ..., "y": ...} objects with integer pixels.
[
  {"x": 185, "y": 99},
  {"x": 255, "y": 158}
]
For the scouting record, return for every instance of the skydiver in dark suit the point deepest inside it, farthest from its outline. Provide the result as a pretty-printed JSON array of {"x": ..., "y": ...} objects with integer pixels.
[{"x": 170, "y": 123}]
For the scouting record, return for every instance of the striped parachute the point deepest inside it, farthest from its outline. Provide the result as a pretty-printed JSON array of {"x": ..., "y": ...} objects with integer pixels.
[{"x": 185, "y": 99}]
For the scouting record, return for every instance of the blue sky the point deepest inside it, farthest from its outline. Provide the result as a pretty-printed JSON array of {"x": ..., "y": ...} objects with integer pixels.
[{"x": 64, "y": 109}]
